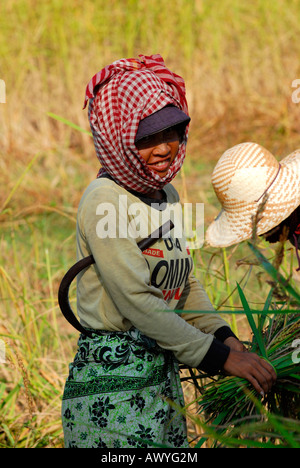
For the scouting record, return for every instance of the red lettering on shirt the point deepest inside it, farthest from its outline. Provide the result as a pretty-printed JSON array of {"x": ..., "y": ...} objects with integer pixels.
[
  {"x": 172, "y": 293},
  {"x": 154, "y": 253}
]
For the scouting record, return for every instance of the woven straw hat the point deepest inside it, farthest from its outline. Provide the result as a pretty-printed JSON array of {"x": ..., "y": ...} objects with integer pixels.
[{"x": 246, "y": 176}]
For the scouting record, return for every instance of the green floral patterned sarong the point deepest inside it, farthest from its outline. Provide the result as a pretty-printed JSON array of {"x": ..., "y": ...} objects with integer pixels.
[{"x": 123, "y": 391}]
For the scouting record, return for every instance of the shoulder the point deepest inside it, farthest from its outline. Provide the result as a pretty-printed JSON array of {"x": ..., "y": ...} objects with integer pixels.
[
  {"x": 101, "y": 196},
  {"x": 101, "y": 190}
]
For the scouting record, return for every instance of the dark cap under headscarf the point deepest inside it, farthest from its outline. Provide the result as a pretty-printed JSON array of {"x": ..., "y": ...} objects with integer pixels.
[{"x": 169, "y": 116}]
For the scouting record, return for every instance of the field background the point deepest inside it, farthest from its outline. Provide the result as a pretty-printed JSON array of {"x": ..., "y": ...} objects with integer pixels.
[{"x": 239, "y": 60}]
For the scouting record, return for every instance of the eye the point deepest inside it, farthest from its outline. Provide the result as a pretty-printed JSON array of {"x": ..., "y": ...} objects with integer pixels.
[
  {"x": 146, "y": 142},
  {"x": 148, "y": 139},
  {"x": 170, "y": 133},
  {"x": 175, "y": 133}
]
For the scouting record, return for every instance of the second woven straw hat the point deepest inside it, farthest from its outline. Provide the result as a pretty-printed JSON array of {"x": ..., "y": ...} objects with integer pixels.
[{"x": 246, "y": 176}]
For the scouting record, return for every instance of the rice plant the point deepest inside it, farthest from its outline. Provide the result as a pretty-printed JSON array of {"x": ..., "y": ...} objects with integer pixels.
[{"x": 229, "y": 403}]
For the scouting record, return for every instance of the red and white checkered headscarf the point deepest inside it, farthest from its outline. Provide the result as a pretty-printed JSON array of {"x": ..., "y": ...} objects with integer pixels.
[{"x": 122, "y": 94}]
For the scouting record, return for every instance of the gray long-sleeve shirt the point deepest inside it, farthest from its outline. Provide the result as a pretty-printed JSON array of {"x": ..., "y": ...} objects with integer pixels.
[{"x": 126, "y": 287}]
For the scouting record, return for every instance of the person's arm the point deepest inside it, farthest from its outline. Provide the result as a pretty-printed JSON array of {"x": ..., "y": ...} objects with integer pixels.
[
  {"x": 200, "y": 313},
  {"x": 236, "y": 361}
]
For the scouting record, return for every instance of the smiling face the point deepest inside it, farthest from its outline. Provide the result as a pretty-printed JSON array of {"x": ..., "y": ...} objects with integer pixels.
[{"x": 159, "y": 150}]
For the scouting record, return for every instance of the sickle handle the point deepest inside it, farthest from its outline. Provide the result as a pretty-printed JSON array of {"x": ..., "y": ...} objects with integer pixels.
[{"x": 63, "y": 292}]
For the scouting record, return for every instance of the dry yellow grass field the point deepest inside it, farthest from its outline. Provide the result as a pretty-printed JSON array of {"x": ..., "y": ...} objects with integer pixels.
[{"x": 239, "y": 60}]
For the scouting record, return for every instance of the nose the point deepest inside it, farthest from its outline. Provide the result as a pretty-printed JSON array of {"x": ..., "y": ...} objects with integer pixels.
[{"x": 162, "y": 149}]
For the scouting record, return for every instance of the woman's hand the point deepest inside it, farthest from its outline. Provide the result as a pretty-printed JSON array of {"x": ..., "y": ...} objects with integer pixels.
[
  {"x": 234, "y": 344},
  {"x": 251, "y": 367}
]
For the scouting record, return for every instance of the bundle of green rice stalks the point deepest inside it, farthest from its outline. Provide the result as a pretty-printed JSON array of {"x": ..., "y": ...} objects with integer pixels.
[{"x": 228, "y": 402}]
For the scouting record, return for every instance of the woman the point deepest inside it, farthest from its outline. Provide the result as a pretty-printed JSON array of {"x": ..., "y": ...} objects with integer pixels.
[
  {"x": 123, "y": 388},
  {"x": 258, "y": 195}
]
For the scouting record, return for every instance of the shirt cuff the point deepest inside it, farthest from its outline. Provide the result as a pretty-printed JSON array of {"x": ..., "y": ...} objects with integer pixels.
[
  {"x": 224, "y": 332},
  {"x": 215, "y": 358}
]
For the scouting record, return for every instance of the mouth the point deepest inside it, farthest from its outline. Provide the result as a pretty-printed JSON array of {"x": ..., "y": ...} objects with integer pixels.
[{"x": 160, "y": 166}]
